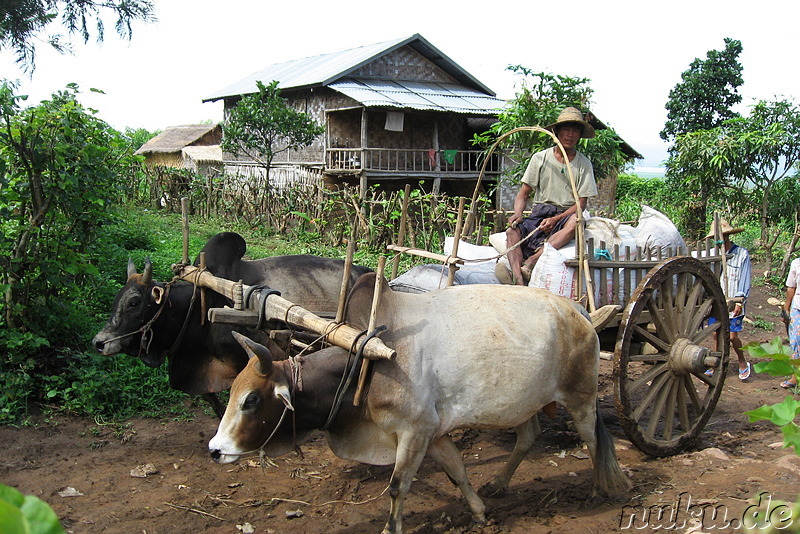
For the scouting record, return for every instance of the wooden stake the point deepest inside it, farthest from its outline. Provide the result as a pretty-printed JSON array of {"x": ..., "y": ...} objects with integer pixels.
[
  {"x": 401, "y": 233},
  {"x": 376, "y": 301},
  {"x": 203, "y": 304},
  {"x": 185, "y": 221},
  {"x": 451, "y": 275},
  {"x": 348, "y": 264}
]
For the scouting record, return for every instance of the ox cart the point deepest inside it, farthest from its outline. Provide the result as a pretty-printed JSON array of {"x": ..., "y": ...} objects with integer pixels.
[{"x": 651, "y": 310}]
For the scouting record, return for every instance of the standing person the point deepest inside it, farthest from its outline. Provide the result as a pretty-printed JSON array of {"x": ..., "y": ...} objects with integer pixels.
[
  {"x": 736, "y": 287},
  {"x": 791, "y": 316},
  {"x": 553, "y": 214}
]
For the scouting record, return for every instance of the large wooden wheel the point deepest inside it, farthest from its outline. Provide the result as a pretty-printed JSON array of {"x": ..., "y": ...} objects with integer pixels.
[{"x": 664, "y": 347}]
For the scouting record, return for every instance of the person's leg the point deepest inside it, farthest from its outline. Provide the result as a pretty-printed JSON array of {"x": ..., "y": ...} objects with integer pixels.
[
  {"x": 557, "y": 240},
  {"x": 794, "y": 343},
  {"x": 514, "y": 254}
]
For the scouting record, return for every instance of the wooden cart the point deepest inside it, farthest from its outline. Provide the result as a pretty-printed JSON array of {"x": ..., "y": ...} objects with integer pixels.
[{"x": 661, "y": 342}]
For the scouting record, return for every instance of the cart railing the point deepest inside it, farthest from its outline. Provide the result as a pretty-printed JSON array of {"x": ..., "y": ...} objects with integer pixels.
[{"x": 616, "y": 271}]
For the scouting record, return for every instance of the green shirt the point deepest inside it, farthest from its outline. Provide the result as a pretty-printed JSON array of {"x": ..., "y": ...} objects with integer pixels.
[{"x": 549, "y": 179}]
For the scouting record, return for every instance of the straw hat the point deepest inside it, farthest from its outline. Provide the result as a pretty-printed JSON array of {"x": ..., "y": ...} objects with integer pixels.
[
  {"x": 725, "y": 228},
  {"x": 574, "y": 115}
]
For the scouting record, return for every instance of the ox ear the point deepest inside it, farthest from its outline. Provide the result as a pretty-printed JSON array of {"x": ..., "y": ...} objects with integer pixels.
[
  {"x": 147, "y": 274},
  {"x": 131, "y": 268},
  {"x": 282, "y": 392},
  {"x": 257, "y": 350},
  {"x": 158, "y": 294}
]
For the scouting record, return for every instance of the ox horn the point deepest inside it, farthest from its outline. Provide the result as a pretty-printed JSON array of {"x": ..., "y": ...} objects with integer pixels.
[
  {"x": 264, "y": 365},
  {"x": 147, "y": 274},
  {"x": 131, "y": 268}
]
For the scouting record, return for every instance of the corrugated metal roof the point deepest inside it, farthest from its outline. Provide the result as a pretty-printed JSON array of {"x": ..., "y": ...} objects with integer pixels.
[
  {"x": 316, "y": 70},
  {"x": 328, "y": 68},
  {"x": 426, "y": 96}
]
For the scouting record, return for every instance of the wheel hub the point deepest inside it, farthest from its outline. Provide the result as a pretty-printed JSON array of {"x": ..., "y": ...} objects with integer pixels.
[{"x": 685, "y": 357}]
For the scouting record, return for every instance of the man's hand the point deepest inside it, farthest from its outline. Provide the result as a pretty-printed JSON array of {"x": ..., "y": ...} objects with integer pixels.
[
  {"x": 514, "y": 220},
  {"x": 548, "y": 224}
]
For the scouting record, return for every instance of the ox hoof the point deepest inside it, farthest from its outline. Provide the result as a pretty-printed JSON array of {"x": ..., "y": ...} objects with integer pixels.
[{"x": 490, "y": 489}]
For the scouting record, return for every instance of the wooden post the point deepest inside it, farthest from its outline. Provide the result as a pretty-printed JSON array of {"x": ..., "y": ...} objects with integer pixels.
[
  {"x": 401, "y": 233},
  {"x": 720, "y": 248},
  {"x": 376, "y": 300},
  {"x": 185, "y": 221},
  {"x": 348, "y": 264},
  {"x": 203, "y": 304},
  {"x": 451, "y": 275}
]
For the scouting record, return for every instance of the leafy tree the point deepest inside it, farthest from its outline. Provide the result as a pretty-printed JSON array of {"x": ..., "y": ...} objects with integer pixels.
[
  {"x": 263, "y": 125},
  {"x": 22, "y": 21},
  {"x": 61, "y": 168},
  {"x": 702, "y": 100},
  {"x": 752, "y": 155},
  {"x": 539, "y": 101}
]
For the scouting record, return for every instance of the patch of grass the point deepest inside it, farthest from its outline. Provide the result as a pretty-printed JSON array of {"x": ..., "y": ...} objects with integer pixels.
[{"x": 763, "y": 324}]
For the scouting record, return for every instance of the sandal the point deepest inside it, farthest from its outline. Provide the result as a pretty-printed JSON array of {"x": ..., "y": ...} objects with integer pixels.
[
  {"x": 744, "y": 375},
  {"x": 785, "y": 384}
]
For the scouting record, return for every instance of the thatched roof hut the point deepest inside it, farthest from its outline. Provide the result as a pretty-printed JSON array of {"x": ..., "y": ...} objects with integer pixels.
[{"x": 167, "y": 148}]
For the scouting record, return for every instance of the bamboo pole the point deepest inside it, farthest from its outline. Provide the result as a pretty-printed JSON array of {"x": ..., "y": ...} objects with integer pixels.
[
  {"x": 373, "y": 314},
  {"x": 276, "y": 307}
]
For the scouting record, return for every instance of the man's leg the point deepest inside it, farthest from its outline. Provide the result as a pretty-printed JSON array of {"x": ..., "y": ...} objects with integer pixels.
[
  {"x": 557, "y": 240},
  {"x": 513, "y": 236}
]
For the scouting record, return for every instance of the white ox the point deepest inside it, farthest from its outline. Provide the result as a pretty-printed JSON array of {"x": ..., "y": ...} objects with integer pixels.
[{"x": 480, "y": 356}]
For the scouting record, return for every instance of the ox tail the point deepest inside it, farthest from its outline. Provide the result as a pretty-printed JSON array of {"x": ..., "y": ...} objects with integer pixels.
[{"x": 609, "y": 477}]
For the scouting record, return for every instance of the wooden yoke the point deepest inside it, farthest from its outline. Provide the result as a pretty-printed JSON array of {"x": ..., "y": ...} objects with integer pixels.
[{"x": 278, "y": 308}]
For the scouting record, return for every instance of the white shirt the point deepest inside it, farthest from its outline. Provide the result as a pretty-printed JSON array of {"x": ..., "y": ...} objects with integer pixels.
[{"x": 791, "y": 281}]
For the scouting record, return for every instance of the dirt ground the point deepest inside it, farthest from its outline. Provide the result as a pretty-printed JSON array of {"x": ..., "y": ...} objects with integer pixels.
[{"x": 84, "y": 470}]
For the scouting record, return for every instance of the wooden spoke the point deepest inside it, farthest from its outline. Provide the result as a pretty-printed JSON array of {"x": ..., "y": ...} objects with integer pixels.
[
  {"x": 664, "y": 400},
  {"x": 650, "y": 358},
  {"x": 656, "y": 378},
  {"x": 701, "y": 335},
  {"x": 652, "y": 339}
]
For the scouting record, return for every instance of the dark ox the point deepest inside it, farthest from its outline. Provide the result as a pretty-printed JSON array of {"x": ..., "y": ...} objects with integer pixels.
[
  {"x": 471, "y": 356},
  {"x": 204, "y": 359}
]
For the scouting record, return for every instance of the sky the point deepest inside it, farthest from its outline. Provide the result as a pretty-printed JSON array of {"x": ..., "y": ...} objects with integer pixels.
[{"x": 632, "y": 51}]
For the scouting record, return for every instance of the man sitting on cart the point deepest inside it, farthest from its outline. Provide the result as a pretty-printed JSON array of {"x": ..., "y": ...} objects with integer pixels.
[{"x": 553, "y": 214}]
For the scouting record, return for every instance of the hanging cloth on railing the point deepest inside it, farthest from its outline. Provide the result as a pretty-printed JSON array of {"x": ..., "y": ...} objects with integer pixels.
[{"x": 449, "y": 156}]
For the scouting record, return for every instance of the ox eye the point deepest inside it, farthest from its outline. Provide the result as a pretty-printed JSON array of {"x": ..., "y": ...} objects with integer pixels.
[
  {"x": 250, "y": 401},
  {"x": 134, "y": 302}
]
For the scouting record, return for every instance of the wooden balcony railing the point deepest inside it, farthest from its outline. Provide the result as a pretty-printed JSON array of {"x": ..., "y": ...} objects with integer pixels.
[{"x": 409, "y": 160}]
